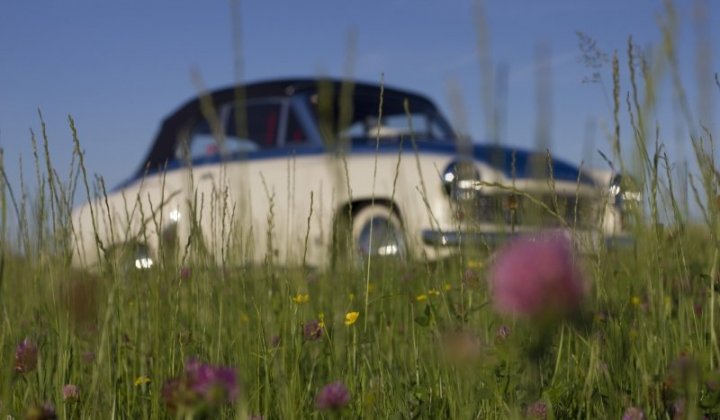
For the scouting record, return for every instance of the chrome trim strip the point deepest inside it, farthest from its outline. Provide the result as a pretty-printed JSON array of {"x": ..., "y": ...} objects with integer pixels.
[{"x": 456, "y": 238}]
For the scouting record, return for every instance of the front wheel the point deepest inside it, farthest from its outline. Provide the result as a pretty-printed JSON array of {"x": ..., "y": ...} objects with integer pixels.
[
  {"x": 127, "y": 257},
  {"x": 378, "y": 232}
]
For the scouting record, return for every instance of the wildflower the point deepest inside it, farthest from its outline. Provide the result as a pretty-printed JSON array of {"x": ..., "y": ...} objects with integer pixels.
[
  {"x": 537, "y": 410},
  {"x": 26, "y": 356},
  {"x": 45, "y": 411},
  {"x": 475, "y": 264},
  {"x": 421, "y": 297},
  {"x": 633, "y": 413},
  {"x": 201, "y": 384},
  {"x": 682, "y": 372},
  {"x": 185, "y": 273},
  {"x": 537, "y": 276},
  {"x": 216, "y": 384},
  {"x": 502, "y": 334},
  {"x": 351, "y": 317},
  {"x": 301, "y": 298},
  {"x": 678, "y": 408},
  {"x": 172, "y": 395},
  {"x": 70, "y": 392},
  {"x": 313, "y": 331},
  {"x": 141, "y": 380},
  {"x": 713, "y": 381},
  {"x": 433, "y": 292},
  {"x": 333, "y": 396},
  {"x": 635, "y": 300},
  {"x": 447, "y": 287}
]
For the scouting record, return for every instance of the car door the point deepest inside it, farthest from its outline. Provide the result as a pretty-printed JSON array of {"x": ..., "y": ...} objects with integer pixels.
[
  {"x": 215, "y": 197},
  {"x": 244, "y": 194}
]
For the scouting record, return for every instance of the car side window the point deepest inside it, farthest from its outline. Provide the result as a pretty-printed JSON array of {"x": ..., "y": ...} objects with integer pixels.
[
  {"x": 202, "y": 140},
  {"x": 295, "y": 133},
  {"x": 196, "y": 142},
  {"x": 266, "y": 125},
  {"x": 261, "y": 124}
]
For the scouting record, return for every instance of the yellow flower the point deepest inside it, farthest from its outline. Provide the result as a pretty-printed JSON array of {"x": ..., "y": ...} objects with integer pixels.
[
  {"x": 475, "y": 264},
  {"x": 321, "y": 320},
  {"x": 141, "y": 380},
  {"x": 433, "y": 292},
  {"x": 447, "y": 287},
  {"x": 351, "y": 317},
  {"x": 351, "y": 296},
  {"x": 635, "y": 300},
  {"x": 301, "y": 298},
  {"x": 421, "y": 297}
]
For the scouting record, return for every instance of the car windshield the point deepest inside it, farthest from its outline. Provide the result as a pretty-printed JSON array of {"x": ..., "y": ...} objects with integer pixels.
[{"x": 362, "y": 118}]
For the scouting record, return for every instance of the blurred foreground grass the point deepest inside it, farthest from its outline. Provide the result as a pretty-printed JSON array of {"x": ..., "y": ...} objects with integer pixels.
[{"x": 429, "y": 345}]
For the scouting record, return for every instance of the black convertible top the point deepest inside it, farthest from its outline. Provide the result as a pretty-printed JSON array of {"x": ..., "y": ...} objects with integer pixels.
[{"x": 167, "y": 135}]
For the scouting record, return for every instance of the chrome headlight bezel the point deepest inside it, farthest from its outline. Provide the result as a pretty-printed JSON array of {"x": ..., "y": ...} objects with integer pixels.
[
  {"x": 461, "y": 180},
  {"x": 624, "y": 190}
]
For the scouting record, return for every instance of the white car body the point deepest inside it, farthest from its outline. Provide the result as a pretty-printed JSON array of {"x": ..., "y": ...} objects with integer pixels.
[{"x": 273, "y": 194}]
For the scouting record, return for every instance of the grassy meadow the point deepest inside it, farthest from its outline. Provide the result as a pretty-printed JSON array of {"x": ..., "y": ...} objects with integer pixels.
[{"x": 401, "y": 340}]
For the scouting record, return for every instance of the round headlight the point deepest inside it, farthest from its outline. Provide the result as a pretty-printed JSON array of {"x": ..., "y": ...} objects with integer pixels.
[
  {"x": 461, "y": 180},
  {"x": 624, "y": 189}
]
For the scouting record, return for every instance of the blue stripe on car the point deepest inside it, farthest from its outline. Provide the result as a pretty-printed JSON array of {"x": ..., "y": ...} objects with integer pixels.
[{"x": 517, "y": 163}]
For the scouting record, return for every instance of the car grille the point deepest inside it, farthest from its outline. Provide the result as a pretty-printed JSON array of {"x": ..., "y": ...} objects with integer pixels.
[{"x": 546, "y": 210}]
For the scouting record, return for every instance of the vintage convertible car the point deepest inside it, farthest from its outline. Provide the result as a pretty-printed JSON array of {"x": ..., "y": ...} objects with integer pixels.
[{"x": 304, "y": 171}]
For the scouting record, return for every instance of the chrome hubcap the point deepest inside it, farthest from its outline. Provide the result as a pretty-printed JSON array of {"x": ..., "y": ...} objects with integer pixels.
[{"x": 380, "y": 237}]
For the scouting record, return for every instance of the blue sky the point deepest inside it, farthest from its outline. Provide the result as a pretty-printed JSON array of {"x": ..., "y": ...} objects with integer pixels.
[{"x": 119, "y": 67}]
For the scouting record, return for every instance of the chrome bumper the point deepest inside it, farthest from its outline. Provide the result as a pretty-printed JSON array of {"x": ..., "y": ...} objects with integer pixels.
[{"x": 448, "y": 239}]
